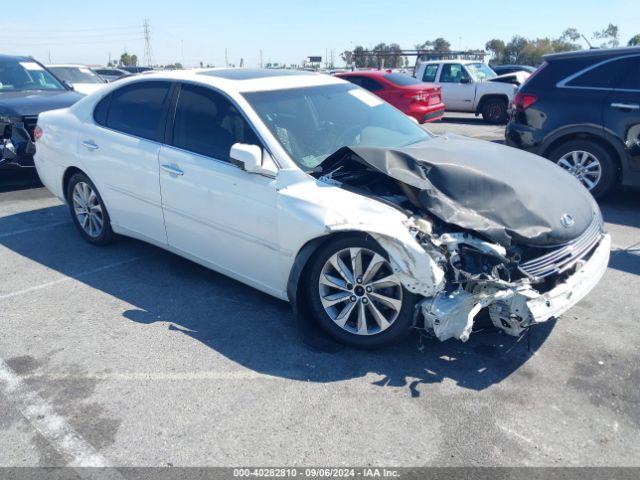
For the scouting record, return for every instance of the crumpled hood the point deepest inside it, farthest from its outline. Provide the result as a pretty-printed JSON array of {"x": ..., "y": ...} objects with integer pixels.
[
  {"x": 30, "y": 103},
  {"x": 507, "y": 195}
]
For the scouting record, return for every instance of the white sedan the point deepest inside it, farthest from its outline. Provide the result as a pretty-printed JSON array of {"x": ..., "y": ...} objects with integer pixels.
[
  {"x": 315, "y": 191},
  {"x": 80, "y": 77}
]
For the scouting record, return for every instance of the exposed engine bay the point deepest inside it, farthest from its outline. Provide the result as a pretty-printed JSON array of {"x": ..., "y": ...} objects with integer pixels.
[{"x": 494, "y": 267}]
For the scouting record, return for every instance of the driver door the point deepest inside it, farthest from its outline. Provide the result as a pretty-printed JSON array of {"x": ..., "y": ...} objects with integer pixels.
[
  {"x": 458, "y": 89},
  {"x": 215, "y": 212}
]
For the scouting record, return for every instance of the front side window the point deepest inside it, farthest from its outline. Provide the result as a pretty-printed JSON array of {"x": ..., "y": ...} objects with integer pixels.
[
  {"x": 630, "y": 80},
  {"x": 311, "y": 123},
  {"x": 605, "y": 75},
  {"x": 76, "y": 74},
  {"x": 138, "y": 109},
  {"x": 19, "y": 75},
  {"x": 452, "y": 73},
  {"x": 430, "y": 73},
  {"x": 207, "y": 123}
]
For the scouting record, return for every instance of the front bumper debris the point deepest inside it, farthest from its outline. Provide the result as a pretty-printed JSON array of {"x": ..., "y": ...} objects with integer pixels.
[{"x": 516, "y": 308}]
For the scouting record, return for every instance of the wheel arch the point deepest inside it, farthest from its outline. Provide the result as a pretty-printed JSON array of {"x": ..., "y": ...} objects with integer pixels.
[
  {"x": 490, "y": 96},
  {"x": 568, "y": 136},
  {"x": 66, "y": 177}
]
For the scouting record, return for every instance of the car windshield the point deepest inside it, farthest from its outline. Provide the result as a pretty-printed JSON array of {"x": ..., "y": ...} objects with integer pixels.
[
  {"x": 16, "y": 75},
  {"x": 311, "y": 123},
  {"x": 480, "y": 71},
  {"x": 76, "y": 74}
]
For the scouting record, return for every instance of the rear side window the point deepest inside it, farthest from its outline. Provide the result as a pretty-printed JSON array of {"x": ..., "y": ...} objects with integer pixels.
[
  {"x": 430, "y": 73},
  {"x": 138, "y": 109},
  {"x": 365, "y": 82},
  {"x": 605, "y": 75},
  {"x": 101, "y": 110},
  {"x": 402, "y": 79},
  {"x": 208, "y": 123}
]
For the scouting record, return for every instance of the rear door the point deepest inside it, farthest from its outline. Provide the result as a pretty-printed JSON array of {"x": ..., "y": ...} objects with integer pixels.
[
  {"x": 120, "y": 153},
  {"x": 622, "y": 109}
]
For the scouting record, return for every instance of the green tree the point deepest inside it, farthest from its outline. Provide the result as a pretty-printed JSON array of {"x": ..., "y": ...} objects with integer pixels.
[
  {"x": 497, "y": 48},
  {"x": 609, "y": 35},
  {"x": 347, "y": 56},
  {"x": 128, "y": 60},
  {"x": 360, "y": 58},
  {"x": 635, "y": 40},
  {"x": 437, "y": 45}
]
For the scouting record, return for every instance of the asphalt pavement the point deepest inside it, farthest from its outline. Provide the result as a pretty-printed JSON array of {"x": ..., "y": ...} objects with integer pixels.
[{"x": 132, "y": 356}]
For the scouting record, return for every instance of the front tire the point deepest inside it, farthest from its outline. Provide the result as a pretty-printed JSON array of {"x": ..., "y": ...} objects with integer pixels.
[
  {"x": 494, "y": 111},
  {"x": 88, "y": 211},
  {"x": 589, "y": 162},
  {"x": 355, "y": 296}
]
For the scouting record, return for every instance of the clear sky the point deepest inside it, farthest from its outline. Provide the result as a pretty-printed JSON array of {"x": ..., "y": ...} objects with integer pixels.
[{"x": 287, "y": 30}]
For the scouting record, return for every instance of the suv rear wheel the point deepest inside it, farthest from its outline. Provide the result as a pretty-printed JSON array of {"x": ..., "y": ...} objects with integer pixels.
[{"x": 589, "y": 162}]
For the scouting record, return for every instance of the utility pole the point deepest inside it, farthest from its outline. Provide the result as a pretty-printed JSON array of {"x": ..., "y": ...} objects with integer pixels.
[
  {"x": 261, "y": 65},
  {"x": 147, "y": 43},
  {"x": 50, "y": 56},
  {"x": 226, "y": 58},
  {"x": 182, "y": 51}
]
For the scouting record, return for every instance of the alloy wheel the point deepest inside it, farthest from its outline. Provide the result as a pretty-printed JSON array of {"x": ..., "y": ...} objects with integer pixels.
[
  {"x": 359, "y": 291},
  {"x": 87, "y": 209},
  {"x": 583, "y": 165}
]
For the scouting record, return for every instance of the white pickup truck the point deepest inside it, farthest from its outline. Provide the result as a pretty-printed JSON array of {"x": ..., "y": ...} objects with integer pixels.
[{"x": 471, "y": 86}]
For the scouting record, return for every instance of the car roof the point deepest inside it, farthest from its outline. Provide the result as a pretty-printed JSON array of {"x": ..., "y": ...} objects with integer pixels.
[
  {"x": 594, "y": 53},
  {"x": 371, "y": 73},
  {"x": 14, "y": 57},
  {"x": 244, "y": 80},
  {"x": 66, "y": 65}
]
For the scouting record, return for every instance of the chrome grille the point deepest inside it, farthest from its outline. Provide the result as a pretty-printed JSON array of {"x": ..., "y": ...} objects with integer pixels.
[{"x": 565, "y": 257}]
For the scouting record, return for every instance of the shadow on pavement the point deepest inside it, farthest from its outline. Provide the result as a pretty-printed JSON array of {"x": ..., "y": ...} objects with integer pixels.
[
  {"x": 12, "y": 180},
  {"x": 252, "y": 328},
  {"x": 622, "y": 208}
]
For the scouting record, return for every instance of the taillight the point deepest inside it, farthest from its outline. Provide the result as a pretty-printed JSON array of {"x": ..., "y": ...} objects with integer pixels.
[
  {"x": 522, "y": 101},
  {"x": 418, "y": 97},
  {"x": 37, "y": 133},
  {"x": 435, "y": 99}
]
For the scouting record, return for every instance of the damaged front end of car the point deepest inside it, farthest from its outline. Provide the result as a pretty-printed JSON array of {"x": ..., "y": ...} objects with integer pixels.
[{"x": 490, "y": 240}]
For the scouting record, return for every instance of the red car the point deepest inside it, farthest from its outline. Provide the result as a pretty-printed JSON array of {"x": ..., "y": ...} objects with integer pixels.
[{"x": 420, "y": 100}]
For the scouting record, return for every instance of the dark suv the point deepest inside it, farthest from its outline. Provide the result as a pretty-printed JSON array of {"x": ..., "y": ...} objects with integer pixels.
[{"x": 582, "y": 111}]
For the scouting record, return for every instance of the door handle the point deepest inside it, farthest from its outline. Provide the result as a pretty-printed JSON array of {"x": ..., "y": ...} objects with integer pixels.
[
  {"x": 626, "y": 106},
  {"x": 172, "y": 170},
  {"x": 90, "y": 145}
]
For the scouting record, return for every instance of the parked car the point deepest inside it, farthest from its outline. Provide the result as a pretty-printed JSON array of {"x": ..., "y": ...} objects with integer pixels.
[
  {"x": 112, "y": 74},
  {"x": 137, "y": 69},
  {"x": 80, "y": 77},
  {"x": 419, "y": 100},
  {"x": 314, "y": 190},
  {"x": 470, "y": 86},
  {"x": 581, "y": 110},
  {"x": 504, "y": 69},
  {"x": 27, "y": 88}
]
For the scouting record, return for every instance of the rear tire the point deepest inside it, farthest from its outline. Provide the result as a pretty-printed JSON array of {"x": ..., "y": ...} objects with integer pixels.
[
  {"x": 88, "y": 211},
  {"x": 494, "y": 111},
  {"x": 379, "y": 312},
  {"x": 569, "y": 155}
]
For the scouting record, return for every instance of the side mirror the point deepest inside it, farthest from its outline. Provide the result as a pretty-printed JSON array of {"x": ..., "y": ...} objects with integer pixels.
[
  {"x": 253, "y": 159},
  {"x": 465, "y": 80},
  {"x": 68, "y": 85},
  {"x": 247, "y": 157}
]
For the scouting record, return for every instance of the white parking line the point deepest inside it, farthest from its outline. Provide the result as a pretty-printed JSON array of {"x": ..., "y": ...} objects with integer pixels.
[
  {"x": 54, "y": 428},
  {"x": 34, "y": 229},
  {"x": 69, "y": 278}
]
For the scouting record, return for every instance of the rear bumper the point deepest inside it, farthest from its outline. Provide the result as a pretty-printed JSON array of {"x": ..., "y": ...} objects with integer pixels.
[
  {"x": 426, "y": 113},
  {"x": 523, "y": 137}
]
